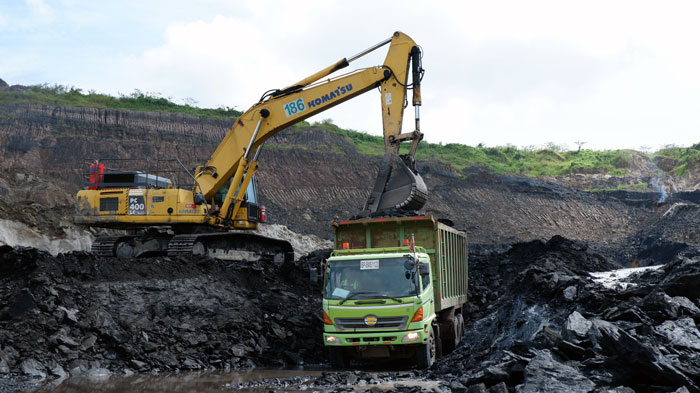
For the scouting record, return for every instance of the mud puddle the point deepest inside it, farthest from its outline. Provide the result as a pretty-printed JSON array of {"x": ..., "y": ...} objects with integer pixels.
[
  {"x": 252, "y": 380},
  {"x": 205, "y": 381}
]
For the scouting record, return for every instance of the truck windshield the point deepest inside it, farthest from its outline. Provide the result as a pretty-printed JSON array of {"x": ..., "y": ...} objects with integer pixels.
[{"x": 370, "y": 278}]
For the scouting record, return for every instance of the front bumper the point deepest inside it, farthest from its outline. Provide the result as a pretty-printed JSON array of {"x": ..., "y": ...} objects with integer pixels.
[{"x": 345, "y": 339}]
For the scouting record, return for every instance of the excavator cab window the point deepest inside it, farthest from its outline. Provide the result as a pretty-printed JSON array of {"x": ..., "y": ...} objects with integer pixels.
[
  {"x": 221, "y": 193},
  {"x": 251, "y": 194}
]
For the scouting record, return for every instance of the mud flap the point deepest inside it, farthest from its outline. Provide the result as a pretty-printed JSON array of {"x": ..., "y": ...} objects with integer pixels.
[{"x": 398, "y": 186}]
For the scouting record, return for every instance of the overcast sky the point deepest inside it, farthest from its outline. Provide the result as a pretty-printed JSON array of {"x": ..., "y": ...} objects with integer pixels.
[{"x": 615, "y": 74}]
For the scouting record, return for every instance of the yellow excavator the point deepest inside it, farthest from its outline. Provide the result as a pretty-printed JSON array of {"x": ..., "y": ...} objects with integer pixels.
[{"x": 203, "y": 220}]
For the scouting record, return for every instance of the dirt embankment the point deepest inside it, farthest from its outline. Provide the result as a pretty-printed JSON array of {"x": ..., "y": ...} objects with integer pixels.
[
  {"x": 80, "y": 315},
  {"x": 309, "y": 177},
  {"x": 538, "y": 321}
]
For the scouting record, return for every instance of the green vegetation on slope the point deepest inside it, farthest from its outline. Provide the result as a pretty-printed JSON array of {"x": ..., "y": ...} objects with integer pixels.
[
  {"x": 683, "y": 159},
  {"x": 624, "y": 187},
  {"x": 136, "y": 101},
  {"x": 543, "y": 162},
  {"x": 547, "y": 161}
]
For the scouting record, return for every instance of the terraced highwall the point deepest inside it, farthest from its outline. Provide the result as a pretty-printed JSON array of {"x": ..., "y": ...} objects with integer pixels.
[{"x": 307, "y": 176}]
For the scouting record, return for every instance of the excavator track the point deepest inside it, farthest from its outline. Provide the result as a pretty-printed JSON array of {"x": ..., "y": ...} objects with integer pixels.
[
  {"x": 220, "y": 245},
  {"x": 232, "y": 246},
  {"x": 103, "y": 246},
  {"x": 129, "y": 246},
  {"x": 181, "y": 245}
]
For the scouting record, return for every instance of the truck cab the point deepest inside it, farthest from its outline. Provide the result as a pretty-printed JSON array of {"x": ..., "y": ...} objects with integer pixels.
[
  {"x": 379, "y": 303},
  {"x": 401, "y": 302}
]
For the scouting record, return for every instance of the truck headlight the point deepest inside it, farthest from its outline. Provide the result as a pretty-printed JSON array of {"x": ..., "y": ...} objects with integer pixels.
[
  {"x": 332, "y": 340},
  {"x": 410, "y": 337}
]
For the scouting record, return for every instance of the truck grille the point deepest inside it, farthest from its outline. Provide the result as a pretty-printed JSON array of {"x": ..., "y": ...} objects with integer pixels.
[{"x": 382, "y": 323}]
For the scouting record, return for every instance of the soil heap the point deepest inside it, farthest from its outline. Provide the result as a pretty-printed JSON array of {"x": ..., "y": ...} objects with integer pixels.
[
  {"x": 81, "y": 315},
  {"x": 539, "y": 322}
]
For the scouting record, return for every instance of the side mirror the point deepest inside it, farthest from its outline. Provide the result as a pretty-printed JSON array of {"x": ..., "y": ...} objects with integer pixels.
[
  {"x": 409, "y": 264},
  {"x": 199, "y": 199},
  {"x": 424, "y": 268},
  {"x": 313, "y": 274}
]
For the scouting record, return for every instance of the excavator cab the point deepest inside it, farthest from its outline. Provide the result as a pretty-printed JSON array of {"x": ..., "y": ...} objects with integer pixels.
[{"x": 256, "y": 213}]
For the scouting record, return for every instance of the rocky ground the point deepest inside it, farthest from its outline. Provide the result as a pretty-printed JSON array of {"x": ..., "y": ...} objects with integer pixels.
[
  {"x": 537, "y": 321},
  {"x": 75, "y": 314},
  {"x": 548, "y": 326}
]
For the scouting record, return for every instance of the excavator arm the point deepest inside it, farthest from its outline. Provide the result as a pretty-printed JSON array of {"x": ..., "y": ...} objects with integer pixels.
[{"x": 398, "y": 184}]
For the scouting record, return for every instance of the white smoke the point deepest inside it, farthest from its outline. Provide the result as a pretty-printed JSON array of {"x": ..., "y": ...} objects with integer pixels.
[{"x": 658, "y": 185}]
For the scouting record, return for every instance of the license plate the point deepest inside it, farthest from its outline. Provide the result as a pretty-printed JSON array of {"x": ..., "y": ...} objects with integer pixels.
[{"x": 370, "y": 264}]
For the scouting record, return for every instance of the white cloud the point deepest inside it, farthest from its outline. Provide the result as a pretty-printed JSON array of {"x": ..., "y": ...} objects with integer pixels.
[
  {"x": 619, "y": 73},
  {"x": 222, "y": 62},
  {"x": 40, "y": 10}
]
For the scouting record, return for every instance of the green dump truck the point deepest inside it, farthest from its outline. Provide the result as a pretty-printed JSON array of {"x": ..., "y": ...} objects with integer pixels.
[{"x": 394, "y": 288}]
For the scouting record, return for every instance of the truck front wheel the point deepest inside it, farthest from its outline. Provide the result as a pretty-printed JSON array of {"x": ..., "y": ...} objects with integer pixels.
[
  {"x": 425, "y": 355},
  {"x": 337, "y": 358}
]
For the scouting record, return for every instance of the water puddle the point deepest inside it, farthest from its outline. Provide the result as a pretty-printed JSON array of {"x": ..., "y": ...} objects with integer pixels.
[
  {"x": 205, "y": 381},
  {"x": 252, "y": 380},
  {"x": 615, "y": 279}
]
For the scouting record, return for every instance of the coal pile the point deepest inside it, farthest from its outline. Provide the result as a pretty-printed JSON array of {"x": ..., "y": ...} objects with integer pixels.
[
  {"x": 537, "y": 321},
  {"x": 540, "y": 323},
  {"x": 82, "y": 315}
]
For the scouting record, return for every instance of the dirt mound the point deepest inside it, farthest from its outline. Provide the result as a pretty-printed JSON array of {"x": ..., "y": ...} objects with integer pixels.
[
  {"x": 545, "y": 325},
  {"x": 537, "y": 321},
  {"x": 79, "y": 314},
  {"x": 491, "y": 268}
]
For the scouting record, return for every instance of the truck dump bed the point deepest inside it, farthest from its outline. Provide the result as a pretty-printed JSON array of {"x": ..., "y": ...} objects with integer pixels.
[{"x": 446, "y": 246}]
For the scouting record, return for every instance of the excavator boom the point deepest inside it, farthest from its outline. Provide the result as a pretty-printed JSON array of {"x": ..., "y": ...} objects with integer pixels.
[{"x": 398, "y": 185}]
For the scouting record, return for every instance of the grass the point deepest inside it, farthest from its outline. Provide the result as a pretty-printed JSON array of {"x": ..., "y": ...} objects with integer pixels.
[
  {"x": 366, "y": 144},
  {"x": 684, "y": 158},
  {"x": 535, "y": 162},
  {"x": 643, "y": 186},
  {"x": 549, "y": 160},
  {"x": 136, "y": 101}
]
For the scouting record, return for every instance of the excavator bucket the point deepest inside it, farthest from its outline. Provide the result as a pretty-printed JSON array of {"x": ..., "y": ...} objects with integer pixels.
[{"x": 398, "y": 186}]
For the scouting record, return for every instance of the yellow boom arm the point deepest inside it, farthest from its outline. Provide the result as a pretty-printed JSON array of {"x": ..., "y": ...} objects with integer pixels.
[{"x": 236, "y": 156}]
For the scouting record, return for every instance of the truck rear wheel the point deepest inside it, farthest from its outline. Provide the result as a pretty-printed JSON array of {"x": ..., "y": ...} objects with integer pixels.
[
  {"x": 337, "y": 358},
  {"x": 426, "y": 353},
  {"x": 453, "y": 334},
  {"x": 460, "y": 328}
]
